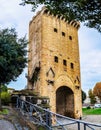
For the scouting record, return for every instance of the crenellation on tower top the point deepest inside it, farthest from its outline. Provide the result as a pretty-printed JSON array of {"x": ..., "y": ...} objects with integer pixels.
[
  {"x": 62, "y": 17},
  {"x": 44, "y": 10}
]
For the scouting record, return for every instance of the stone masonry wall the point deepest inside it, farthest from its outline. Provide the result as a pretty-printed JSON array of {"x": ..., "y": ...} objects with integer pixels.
[{"x": 54, "y": 44}]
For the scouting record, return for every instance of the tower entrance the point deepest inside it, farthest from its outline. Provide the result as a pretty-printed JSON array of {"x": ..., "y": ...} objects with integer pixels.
[{"x": 65, "y": 101}]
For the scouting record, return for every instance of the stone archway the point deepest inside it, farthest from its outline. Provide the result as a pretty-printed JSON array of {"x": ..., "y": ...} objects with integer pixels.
[{"x": 65, "y": 101}]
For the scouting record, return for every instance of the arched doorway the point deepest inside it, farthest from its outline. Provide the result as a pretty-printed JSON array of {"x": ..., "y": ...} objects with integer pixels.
[{"x": 65, "y": 101}]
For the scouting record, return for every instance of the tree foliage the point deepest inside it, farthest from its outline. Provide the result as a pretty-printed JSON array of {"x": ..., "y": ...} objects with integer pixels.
[
  {"x": 12, "y": 55},
  {"x": 97, "y": 90},
  {"x": 87, "y": 11},
  {"x": 91, "y": 96},
  {"x": 83, "y": 96},
  {"x": 3, "y": 88}
]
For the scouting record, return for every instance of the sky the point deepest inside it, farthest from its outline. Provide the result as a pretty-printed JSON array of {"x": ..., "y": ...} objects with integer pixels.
[{"x": 12, "y": 15}]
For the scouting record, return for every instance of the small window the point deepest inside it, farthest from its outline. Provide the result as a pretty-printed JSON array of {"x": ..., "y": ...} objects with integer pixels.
[
  {"x": 72, "y": 66},
  {"x": 63, "y": 34},
  {"x": 56, "y": 59},
  {"x": 55, "y": 30},
  {"x": 65, "y": 62},
  {"x": 70, "y": 37}
]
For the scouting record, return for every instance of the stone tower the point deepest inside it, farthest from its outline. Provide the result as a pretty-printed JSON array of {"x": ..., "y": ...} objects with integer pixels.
[{"x": 54, "y": 66}]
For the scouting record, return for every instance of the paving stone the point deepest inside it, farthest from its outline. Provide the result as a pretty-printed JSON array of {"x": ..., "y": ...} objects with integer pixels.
[{"x": 6, "y": 125}]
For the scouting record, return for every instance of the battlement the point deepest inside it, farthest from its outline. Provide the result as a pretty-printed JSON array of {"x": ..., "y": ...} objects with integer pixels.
[{"x": 44, "y": 10}]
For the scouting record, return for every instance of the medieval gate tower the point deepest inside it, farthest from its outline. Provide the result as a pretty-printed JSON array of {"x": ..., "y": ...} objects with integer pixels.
[{"x": 54, "y": 66}]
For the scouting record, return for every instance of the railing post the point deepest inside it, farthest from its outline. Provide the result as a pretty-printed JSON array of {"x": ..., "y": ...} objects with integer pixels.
[
  {"x": 22, "y": 105},
  {"x": 31, "y": 110},
  {"x": 48, "y": 119},
  {"x": 84, "y": 126},
  {"x": 78, "y": 125},
  {"x": 17, "y": 103}
]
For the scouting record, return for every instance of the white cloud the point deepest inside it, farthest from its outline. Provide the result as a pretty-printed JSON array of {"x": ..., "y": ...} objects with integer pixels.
[
  {"x": 14, "y": 15},
  {"x": 90, "y": 54},
  {"x": 18, "y": 17}
]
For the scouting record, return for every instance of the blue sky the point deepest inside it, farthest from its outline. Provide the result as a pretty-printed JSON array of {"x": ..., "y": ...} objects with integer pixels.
[{"x": 16, "y": 16}]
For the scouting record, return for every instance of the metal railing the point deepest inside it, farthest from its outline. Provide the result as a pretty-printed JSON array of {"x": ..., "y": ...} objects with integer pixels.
[{"x": 51, "y": 120}]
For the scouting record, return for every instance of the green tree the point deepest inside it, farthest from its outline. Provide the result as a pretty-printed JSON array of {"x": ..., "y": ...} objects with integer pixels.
[
  {"x": 97, "y": 90},
  {"x": 87, "y": 11},
  {"x": 83, "y": 96},
  {"x": 12, "y": 56},
  {"x": 3, "y": 88},
  {"x": 91, "y": 96}
]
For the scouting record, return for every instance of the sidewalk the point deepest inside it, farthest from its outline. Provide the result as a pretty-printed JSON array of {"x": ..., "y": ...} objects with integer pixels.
[{"x": 6, "y": 125}]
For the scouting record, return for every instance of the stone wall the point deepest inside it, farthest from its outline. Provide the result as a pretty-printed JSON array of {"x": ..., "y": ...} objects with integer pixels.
[{"x": 53, "y": 47}]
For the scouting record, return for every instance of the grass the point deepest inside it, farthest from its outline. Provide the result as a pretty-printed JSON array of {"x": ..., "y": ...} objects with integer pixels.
[
  {"x": 96, "y": 111},
  {"x": 4, "y": 111}
]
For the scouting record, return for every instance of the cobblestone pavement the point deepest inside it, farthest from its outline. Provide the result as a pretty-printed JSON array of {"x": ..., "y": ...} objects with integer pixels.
[
  {"x": 6, "y": 125},
  {"x": 93, "y": 119},
  {"x": 96, "y": 119}
]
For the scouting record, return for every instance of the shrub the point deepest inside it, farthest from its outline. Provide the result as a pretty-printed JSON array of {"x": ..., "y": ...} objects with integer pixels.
[
  {"x": 5, "y": 98},
  {"x": 4, "y": 111},
  {"x": 88, "y": 107}
]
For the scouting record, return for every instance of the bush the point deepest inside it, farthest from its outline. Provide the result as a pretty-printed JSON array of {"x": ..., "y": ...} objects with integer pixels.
[
  {"x": 88, "y": 107},
  {"x": 4, "y": 111},
  {"x": 5, "y": 98}
]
